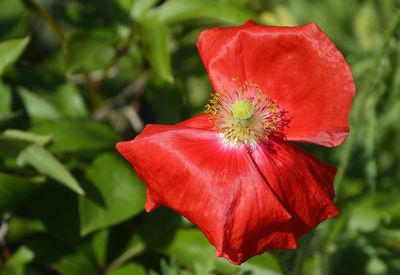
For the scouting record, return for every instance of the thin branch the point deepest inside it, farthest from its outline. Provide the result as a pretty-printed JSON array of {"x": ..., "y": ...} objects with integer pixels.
[
  {"x": 302, "y": 256},
  {"x": 31, "y": 4},
  {"x": 124, "y": 257},
  {"x": 136, "y": 88},
  {"x": 4, "y": 227}
]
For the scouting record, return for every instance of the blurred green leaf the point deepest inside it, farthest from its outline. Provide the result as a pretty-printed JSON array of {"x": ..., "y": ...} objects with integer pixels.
[
  {"x": 38, "y": 108},
  {"x": 265, "y": 263},
  {"x": 99, "y": 245},
  {"x": 198, "y": 91},
  {"x": 125, "y": 5},
  {"x": 128, "y": 269},
  {"x": 156, "y": 45},
  {"x": 81, "y": 48},
  {"x": 15, "y": 265},
  {"x": 204, "y": 268},
  {"x": 5, "y": 100},
  {"x": 280, "y": 16},
  {"x": 14, "y": 190},
  {"x": 376, "y": 266},
  {"x": 20, "y": 228},
  {"x": 10, "y": 51},
  {"x": 69, "y": 102},
  {"x": 65, "y": 102},
  {"x": 178, "y": 11},
  {"x": 367, "y": 214},
  {"x": 114, "y": 194},
  {"x": 172, "y": 268},
  {"x": 366, "y": 25},
  {"x": 190, "y": 245},
  {"x": 27, "y": 136},
  {"x": 10, "y": 10},
  {"x": 79, "y": 136},
  {"x": 64, "y": 260},
  {"x": 22, "y": 256},
  {"x": 46, "y": 164},
  {"x": 11, "y": 147},
  {"x": 394, "y": 264},
  {"x": 139, "y": 8},
  {"x": 75, "y": 264}
]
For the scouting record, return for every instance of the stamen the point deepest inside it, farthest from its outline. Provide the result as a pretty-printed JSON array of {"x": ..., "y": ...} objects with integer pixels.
[{"x": 245, "y": 115}]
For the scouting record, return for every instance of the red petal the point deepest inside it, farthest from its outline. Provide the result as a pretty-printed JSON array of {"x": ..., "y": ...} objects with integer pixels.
[
  {"x": 303, "y": 183},
  {"x": 214, "y": 186},
  {"x": 299, "y": 67},
  {"x": 220, "y": 189}
]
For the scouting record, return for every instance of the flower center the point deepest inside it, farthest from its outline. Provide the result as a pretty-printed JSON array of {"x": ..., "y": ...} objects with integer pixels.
[
  {"x": 245, "y": 115},
  {"x": 242, "y": 110}
]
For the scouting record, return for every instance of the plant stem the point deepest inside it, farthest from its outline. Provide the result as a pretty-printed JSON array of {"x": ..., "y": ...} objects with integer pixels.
[
  {"x": 93, "y": 95},
  {"x": 298, "y": 268},
  {"x": 127, "y": 255},
  {"x": 282, "y": 265},
  {"x": 47, "y": 18}
]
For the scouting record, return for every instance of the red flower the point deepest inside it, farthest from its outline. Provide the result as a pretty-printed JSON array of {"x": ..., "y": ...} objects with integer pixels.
[{"x": 232, "y": 171}]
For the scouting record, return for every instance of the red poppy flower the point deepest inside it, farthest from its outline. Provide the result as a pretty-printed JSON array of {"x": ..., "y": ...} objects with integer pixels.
[{"x": 232, "y": 171}]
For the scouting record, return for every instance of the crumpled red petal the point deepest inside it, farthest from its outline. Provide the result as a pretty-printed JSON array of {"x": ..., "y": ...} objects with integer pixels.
[
  {"x": 244, "y": 202},
  {"x": 303, "y": 183},
  {"x": 299, "y": 67}
]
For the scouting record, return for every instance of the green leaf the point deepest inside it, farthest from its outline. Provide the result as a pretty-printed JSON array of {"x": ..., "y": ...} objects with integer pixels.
[
  {"x": 62, "y": 259},
  {"x": 114, "y": 194},
  {"x": 99, "y": 245},
  {"x": 366, "y": 26},
  {"x": 38, "y": 108},
  {"x": 21, "y": 228},
  {"x": 5, "y": 100},
  {"x": 11, "y": 147},
  {"x": 69, "y": 102},
  {"x": 76, "y": 264},
  {"x": 376, "y": 266},
  {"x": 65, "y": 102},
  {"x": 367, "y": 214},
  {"x": 22, "y": 256},
  {"x": 179, "y": 11},
  {"x": 15, "y": 265},
  {"x": 190, "y": 246},
  {"x": 10, "y": 51},
  {"x": 156, "y": 45},
  {"x": 141, "y": 7},
  {"x": 46, "y": 164},
  {"x": 80, "y": 49},
  {"x": 14, "y": 190},
  {"x": 128, "y": 269},
  {"x": 281, "y": 15},
  {"x": 27, "y": 136},
  {"x": 264, "y": 264},
  {"x": 79, "y": 136}
]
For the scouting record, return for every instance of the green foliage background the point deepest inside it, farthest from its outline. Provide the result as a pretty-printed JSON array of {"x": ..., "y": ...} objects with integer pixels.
[{"x": 77, "y": 76}]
